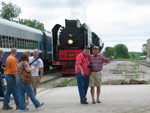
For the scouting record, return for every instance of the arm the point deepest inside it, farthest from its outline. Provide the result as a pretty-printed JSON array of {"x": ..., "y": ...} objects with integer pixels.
[
  {"x": 27, "y": 68},
  {"x": 80, "y": 67},
  {"x": 41, "y": 74},
  {"x": 108, "y": 59},
  {"x": 111, "y": 58}
]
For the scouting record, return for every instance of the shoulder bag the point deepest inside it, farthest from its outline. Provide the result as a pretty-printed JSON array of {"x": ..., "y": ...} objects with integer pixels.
[{"x": 26, "y": 77}]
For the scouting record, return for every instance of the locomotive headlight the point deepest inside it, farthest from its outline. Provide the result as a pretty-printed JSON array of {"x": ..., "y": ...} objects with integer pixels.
[{"x": 70, "y": 41}]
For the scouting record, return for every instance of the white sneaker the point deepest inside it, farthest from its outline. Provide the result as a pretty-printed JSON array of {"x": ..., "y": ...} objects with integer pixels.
[
  {"x": 40, "y": 107},
  {"x": 25, "y": 110}
]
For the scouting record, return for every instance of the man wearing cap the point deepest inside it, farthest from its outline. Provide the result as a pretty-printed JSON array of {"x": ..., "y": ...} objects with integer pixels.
[
  {"x": 96, "y": 62},
  {"x": 82, "y": 73}
]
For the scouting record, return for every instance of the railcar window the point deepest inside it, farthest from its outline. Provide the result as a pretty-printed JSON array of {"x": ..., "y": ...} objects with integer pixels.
[
  {"x": 7, "y": 42},
  {"x": 10, "y": 42},
  {"x": 3, "y": 41},
  {"x": 15, "y": 42}
]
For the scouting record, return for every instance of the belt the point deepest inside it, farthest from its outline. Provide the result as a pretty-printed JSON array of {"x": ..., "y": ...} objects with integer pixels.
[
  {"x": 95, "y": 71},
  {"x": 9, "y": 74}
]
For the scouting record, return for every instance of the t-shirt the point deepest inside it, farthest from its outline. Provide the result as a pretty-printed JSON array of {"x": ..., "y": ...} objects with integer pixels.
[
  {"x": 97, "y": 62},
  {"x": 38, "y": 64},
  {"x": 11, "y": 65},
  {"x": 20, "y": 67},
  {"x": 84, "y": 62}
]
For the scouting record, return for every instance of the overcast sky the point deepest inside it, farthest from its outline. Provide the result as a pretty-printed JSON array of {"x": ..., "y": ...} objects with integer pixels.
[{"x": 114, "y": 21}]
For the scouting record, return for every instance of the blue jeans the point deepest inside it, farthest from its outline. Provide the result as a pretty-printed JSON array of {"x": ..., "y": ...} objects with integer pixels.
[
  {"x": 11, "y": 88},
  {"x": 26, "y": 88},
  {"x": 1, "y": 87},
  {"x": 83, "y": 84}
]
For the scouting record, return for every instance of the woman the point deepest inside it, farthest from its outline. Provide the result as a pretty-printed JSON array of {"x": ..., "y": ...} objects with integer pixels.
[{"x": 26, "y": 88}]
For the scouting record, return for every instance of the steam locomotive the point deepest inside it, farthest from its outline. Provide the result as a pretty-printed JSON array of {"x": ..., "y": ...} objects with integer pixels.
[{"x": 69, "y": 41}]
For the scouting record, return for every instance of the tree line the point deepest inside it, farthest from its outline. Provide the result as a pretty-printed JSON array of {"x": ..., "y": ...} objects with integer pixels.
[
  {"x": 121, "y": 51},
  {"x": 11, "y": 12}
]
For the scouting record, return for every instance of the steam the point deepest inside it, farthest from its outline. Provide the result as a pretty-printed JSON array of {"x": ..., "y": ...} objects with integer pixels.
[{"x": 78, "y": 10}]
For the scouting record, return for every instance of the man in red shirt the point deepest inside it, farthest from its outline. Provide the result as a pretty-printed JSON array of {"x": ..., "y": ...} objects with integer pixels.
[{"x": 82, "y": 73}]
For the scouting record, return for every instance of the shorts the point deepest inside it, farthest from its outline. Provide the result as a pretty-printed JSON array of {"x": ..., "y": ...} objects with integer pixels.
[
  {"x": 95, "y": 79},
  {"x": 35, "y": 82}
]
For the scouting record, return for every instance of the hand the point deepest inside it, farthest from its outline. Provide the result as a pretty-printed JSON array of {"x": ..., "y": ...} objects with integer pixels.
[
  {"x": 112, "y": 57},
  {"x": 82, "y": 73},
  {"x": 39, "y": 79}
]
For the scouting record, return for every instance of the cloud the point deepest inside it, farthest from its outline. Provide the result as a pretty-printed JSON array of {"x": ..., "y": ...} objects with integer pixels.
[{"x": 115, "y": 21}]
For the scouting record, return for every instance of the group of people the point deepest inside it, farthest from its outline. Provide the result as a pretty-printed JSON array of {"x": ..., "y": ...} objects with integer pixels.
[
  {"x": 15, "y": 86},
  {"x": 88, "y": 72}
]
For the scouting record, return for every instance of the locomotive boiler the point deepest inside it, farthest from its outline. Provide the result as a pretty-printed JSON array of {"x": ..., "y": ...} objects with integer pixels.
[{"x": 69, "y": 41}]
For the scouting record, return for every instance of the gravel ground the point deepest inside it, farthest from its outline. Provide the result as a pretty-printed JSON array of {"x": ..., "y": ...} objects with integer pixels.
[{"x": 124, "y": 72}]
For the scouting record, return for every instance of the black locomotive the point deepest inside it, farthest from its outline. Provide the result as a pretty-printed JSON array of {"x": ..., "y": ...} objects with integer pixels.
[{"x": 69, "y": 41}]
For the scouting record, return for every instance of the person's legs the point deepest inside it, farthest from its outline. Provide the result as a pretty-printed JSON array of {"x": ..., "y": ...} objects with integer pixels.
[
  {"x": 98, "y": 82},
  {"x": 35, "y": 84},
  {"x": 92, "y": 85},
  {"x": 92, "y": 94},
  {"x": 81, "y": 88},
  {"x": 30, "y": 93},
  {"x": 22, "y": 103},
  {"x": 98, "y": 94},
  {"x": 10, "y": 83},
  {"x": 86, "y": 85},
  {"x": 80, "y": 83},
  {"x": 15, "y": 92}
]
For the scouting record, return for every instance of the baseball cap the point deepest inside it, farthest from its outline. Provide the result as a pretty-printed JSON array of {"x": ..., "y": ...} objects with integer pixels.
[{"x": 95, "y": 47}]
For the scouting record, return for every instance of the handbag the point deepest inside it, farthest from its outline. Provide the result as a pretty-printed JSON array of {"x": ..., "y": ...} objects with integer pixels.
[{"x": 26, "y": 77}]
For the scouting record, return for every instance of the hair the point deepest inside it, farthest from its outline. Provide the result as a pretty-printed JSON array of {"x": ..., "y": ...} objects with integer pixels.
[
  {"x": 27, "y": 52},
  {"x": 95, "y": 47},
  {"x": 24, "y": 57},
  {"x": 87, "y": 47},
  {"x": 1, "y": 51},
  {"x": 13, "y": 50}
]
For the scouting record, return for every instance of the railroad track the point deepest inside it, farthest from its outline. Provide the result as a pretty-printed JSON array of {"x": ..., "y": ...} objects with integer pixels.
[{"x": 145, "y": 63}]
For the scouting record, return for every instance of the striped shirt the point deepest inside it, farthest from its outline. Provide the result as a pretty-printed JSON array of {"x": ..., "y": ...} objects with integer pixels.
[{"x": 97, "y": 62}]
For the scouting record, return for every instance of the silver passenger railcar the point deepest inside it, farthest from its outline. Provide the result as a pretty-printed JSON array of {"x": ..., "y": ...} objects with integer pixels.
[{"x": 24, "y": 38}]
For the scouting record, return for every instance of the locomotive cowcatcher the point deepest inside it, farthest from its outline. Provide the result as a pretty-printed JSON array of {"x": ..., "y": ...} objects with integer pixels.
[{"x": 69, "y": 41}]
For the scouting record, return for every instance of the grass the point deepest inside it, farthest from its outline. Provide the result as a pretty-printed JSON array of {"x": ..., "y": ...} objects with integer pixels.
[
  {"x": 65, "y": 83},
  {"x": 130, "y": 59}
]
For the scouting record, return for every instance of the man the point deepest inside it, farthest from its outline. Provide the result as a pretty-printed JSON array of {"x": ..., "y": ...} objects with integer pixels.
[
  {"x": 11, "y": 74},
  {"x": 82, "y": 73},
  {"x": 1, "y": 76},
  {"x": 96, "y": 61},
  {"x": 37, "y": 62}
]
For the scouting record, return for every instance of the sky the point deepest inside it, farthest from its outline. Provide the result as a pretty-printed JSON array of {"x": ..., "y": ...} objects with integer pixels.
[{"x": 114, "y": 21}]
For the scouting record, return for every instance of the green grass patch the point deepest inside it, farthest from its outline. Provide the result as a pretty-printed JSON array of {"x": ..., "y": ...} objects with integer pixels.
[
  {"x": 130, "y": 59},
  {"x": 65, "y": 83}
]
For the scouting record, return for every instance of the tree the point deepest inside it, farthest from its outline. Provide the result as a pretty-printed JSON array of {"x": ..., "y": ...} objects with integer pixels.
[
  {"x": 32, "y": 23},
  {"x": 144, "y": 49},
  {"x": 9, "y": 11},
  {"x": 121, "y": 51},
  {"x": 109, "y": 51}
]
